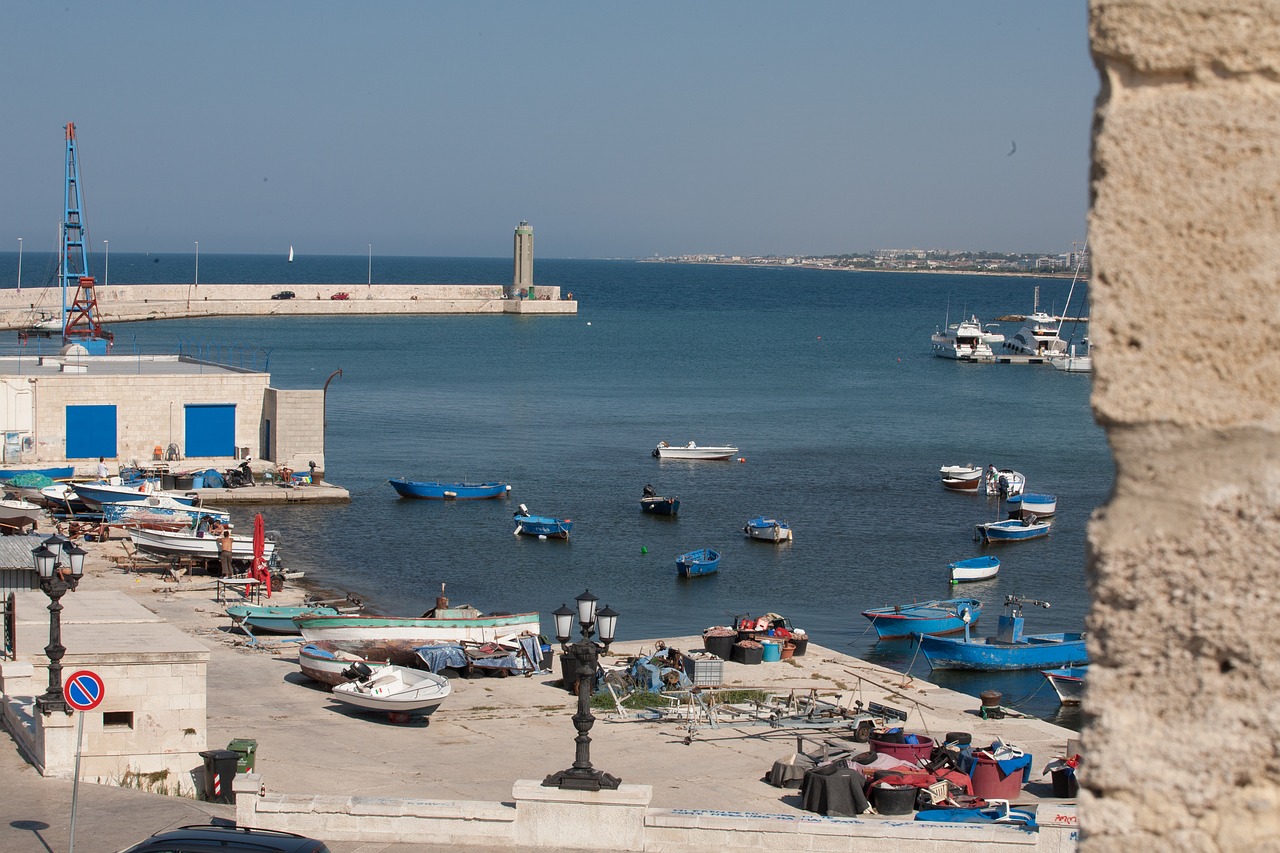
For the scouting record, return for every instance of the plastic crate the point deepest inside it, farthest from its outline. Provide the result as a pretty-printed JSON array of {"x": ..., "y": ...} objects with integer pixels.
[{"x": 704, "y": 671}]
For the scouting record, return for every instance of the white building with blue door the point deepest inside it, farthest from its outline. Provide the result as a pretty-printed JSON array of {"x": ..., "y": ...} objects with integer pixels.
[{"x": 70, "y": 409}]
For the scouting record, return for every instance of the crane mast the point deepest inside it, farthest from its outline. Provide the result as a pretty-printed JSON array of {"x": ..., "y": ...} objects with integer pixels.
[{"x": 80, "y": 322}]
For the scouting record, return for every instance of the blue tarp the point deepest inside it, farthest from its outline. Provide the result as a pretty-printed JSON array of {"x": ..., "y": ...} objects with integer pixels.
[{"x": 442, "y": 656}]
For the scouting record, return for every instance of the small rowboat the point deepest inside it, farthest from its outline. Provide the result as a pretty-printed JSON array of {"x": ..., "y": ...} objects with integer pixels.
[
  {"x": 1041, "y": 506},
  {"x": 960, "y": 472},
  {"x": 704, "y": 561},
  {"x": 925, "y": 617},
  {"x": 542, "y": 526},
  {"x": 326, "y": 663},
  {"x": 395, "y": 689},
  {"x": 974, "y": 569},
  {"x": 433, "y": 490},
  {"x": 280, "y": 620},
  {"x": 1010, "y": 530},
  {"x": 767, "y": 529},
  {"x": 1067, "y": 682}
]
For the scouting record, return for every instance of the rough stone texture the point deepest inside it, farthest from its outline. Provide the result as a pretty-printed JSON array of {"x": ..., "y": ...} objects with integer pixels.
[{"x": 1183, "y": 728}]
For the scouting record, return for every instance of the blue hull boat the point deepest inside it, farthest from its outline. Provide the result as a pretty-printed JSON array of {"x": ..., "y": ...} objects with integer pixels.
[
  {"x": 1009, "y": 649},
  {"x": 448, "y": 491},
  {"x": 61, "y": 473},
  {"x": 704, "y": 561},
  {"x": 1010, "y": 530},
  {"x": 97, "y": 494},
  {"x": 541, "y": 525},
  {"x": 274, "y": 620},
  {"x": 925, "y": 617}
]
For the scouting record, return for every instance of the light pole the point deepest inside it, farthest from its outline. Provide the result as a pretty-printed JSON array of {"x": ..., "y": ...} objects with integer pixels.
[
  {"x": 106, "y": 263},
  {"x": 19, "y": 264},
  {"x": 56, "y": 580},
  {"x": 586, "y": 652},
  {"x": 197, "y": 263},
  {"x": 370, "y": 267}
]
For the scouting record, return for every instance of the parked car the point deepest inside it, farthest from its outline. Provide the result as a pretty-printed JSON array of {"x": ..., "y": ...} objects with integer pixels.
[
  {"x": 340, "y": 296},
  {"x": 200, "y": 838},
  {"x": 284, "y": 294}
]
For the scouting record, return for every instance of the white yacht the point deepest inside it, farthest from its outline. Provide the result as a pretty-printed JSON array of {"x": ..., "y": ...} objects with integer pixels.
[
  {"x": 1038, "y": 336},
  {"x": 963, "y": 341}
]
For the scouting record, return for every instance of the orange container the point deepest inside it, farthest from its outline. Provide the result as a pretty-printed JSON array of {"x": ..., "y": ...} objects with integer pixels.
[{"x": 990, "y": 784}]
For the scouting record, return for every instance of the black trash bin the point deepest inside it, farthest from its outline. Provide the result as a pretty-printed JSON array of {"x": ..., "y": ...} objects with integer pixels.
[{"x": 219, "y": 772}]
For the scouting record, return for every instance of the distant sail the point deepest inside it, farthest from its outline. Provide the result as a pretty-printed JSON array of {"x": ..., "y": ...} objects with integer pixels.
[{"x": 290, "y": 254}]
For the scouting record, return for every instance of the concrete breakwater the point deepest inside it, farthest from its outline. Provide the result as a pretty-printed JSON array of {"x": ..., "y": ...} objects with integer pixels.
[{"x": 20, "y": 309}]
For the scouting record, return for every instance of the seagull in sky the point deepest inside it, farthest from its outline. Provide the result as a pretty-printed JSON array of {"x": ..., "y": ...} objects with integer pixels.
[{"x": 1012, "y": 150}]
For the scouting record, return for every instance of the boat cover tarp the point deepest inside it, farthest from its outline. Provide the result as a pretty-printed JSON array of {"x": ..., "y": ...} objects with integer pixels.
[
  {"x": 441, "y": 656},
  {"x": 213, "y": 480}
]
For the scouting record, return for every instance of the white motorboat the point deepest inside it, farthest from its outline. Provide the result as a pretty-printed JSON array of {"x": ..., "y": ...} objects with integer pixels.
[
  {"x": 326, "y": 663},
  {"x": 961, "y": 478},
  {"x": 186, "y": 543},
  {"x": 396, "y": 689},
  {"x": 973, "y": 569},
  {"x": 767, "y": 529},
  {"x": 963, "y": 341},
  {"x": 693, "y": 451},
  {"x": 18, "y": 514},
  {"x": 97, "y": 494},
  {"x": 1004, "y": 482},
  {"x": 1072, "y": 362},
  {"x": 1038, "y": 337},
  {"x": 992, "y": 334}
]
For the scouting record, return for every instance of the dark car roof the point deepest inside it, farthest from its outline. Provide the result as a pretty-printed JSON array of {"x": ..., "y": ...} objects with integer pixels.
[{"x": 240, "y": 839}]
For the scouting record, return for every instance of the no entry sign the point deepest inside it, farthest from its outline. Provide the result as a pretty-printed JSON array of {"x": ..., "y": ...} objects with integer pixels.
[{"x": 83, "y": 690}]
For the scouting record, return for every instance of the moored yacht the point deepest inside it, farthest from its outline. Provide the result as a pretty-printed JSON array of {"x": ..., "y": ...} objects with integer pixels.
[
  {"x": 963, "y": 341},
  {"x": 1038, "y": 336}
]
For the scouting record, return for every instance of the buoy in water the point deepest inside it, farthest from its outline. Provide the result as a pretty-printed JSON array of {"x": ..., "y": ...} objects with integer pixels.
[
  {"x": 542, "y": 536},
  {"x": 741, "y": 459},
  {"x": 644, "y": 550}
]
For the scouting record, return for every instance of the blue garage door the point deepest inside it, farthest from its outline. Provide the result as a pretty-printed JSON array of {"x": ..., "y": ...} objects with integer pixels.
[
  {"x": 91, "y": 432},
  {"x": 211, "y": 430}
]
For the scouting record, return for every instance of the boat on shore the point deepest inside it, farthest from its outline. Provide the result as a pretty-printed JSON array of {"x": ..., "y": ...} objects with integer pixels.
[
  {"x": 704, "y": 561},
  {"x": 925, "y": 617},
  {"x": 270, "y": 619},
  {"x": 392, "y": 638},
  {"x": 394, "y": 689},
  {"x": 433, "y": 490},
  {"x": 693, "y": 451},
  {"x": 160, "y": 512},
  {"x": 767, "y": 529},
  {"x": 1009, "y": 649},
  {"x": 973, "y": 569},
  {"x": 323, "y": 662},
  {"x": 1067, "y": 682},
  {"x": 61, "y": 472},
  {"x": 187, "y": 543},
  {"x": 97, "y": 494},
  {"x": 19, "y": 514}
]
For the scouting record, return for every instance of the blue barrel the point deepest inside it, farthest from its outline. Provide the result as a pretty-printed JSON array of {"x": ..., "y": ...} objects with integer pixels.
[
  {"x": 197, "y": 481},
  {"x": 772, "y": 650}
]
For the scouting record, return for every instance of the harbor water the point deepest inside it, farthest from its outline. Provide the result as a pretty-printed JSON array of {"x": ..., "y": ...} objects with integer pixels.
[{"x": 824, "y": 379}]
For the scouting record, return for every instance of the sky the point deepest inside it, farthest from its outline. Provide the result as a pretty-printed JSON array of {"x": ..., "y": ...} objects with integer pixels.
[{"x": 615, "y": 129}]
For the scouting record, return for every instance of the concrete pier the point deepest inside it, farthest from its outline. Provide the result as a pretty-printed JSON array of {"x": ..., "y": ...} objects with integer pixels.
[{"x": 120, "y": 303}]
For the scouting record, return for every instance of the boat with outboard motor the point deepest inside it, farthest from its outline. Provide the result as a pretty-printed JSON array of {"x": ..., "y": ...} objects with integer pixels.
[
  {"x": 542, "y": 526},
  {"x": 654, "y": 504},
  {"x": 764, "y": 529},
  {"x": 693, "y": 451},
  {"x": 394, "y": 689},
  {"x": 1009, "y": 648}
]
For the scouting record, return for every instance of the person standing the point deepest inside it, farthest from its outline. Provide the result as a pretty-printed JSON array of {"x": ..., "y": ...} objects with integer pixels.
[
  {"x": 225, "y": 545},
  {"x": 102, "y": 468}
]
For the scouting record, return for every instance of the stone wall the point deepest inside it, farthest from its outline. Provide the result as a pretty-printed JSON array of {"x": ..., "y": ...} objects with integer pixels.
[
  {"x": 297, "y": 428},
  {"x": 1182, "y": 721}
]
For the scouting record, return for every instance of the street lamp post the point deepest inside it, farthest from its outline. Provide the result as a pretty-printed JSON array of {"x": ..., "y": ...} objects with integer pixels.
[
  {"x": 56, "y": 580},
  {"x": 370, "y": 282},
  {"x": 586, "y": 653},
  {"x": 19, "y": 264},
  {"x": 197, "y": 263},
  {"x": 106, "y": 263}
]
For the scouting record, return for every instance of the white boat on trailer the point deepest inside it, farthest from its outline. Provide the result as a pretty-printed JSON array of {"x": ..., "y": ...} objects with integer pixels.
[{"x": 691, "y": 450}]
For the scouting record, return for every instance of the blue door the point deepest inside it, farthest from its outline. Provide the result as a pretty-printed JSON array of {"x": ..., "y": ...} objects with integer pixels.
[
  {"x": 211, "y": 429},
  {"x": 91, "y": 432}
]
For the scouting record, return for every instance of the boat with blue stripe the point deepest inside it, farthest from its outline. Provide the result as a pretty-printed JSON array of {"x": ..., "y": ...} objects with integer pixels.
[
  {"x": 704, "y": 561},
  {"x": 1009, "y": 649},
  {"x": 541, "y": 525},
  {"x": 435, "y": 490},
  {"x": 944, "y": 616}
]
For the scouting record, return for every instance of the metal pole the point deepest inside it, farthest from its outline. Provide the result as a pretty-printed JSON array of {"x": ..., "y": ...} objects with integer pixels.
[
  {"x": 370, "y": 282},
  {"x": 75, "y": 785},
  {"x": 19, "y": 264},
  {"x": 106, "y": 264},
  {"x": 197, "y": 263}
]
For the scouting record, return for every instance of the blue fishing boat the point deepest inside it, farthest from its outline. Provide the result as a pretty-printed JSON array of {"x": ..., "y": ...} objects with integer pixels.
[
  {"x": 97, "y": 494},
  {"x": 1009, "y": 648},
  {"x": 1010, "y": 530},
  {"x": 432, "y": 490},
  {"x": 541, "y": 525},
  {"x": 925, "y": 617},
  {"x": 704, "y": 561},
  {"x": 274, "y": 620},
  {"x": 1067, "y": 682},
  {"x": 973, "y": 569}
]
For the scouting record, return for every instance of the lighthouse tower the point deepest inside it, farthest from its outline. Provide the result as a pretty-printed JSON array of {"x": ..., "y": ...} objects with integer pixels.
[{"x": 523, "y": 278}]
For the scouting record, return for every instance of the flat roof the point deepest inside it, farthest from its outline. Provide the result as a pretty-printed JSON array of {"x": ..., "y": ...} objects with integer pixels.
[{"x": 117, "y": 365}]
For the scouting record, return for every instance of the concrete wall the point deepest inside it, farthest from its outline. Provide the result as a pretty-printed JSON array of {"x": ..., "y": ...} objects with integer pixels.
[
  {"x": 1182, "y": 721},
  {"x": 551, "y": 819},
  {"x": 297, "y": 428}
]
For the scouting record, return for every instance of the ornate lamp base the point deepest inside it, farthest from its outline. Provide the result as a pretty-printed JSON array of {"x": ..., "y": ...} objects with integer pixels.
[{"x": 576, "y": 779}]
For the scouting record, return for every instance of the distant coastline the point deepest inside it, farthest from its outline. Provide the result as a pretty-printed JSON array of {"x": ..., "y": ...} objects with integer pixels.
[{"x": 1054, "y": 274}]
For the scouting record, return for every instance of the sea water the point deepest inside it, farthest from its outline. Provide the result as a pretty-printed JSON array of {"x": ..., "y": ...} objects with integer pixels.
[{"x": 824, "y": 379}]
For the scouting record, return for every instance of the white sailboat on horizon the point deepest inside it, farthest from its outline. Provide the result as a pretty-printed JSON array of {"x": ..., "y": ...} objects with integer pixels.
[{"x": 291, "y": 254}]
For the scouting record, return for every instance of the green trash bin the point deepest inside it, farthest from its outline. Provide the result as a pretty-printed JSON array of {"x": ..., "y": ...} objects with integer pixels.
[{"x": 246, "y": 750}]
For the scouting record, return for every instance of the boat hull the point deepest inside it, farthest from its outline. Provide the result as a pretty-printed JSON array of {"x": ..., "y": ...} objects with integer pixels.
[
  {"x": 690, "y": 451},
  {"x": 19, "y": 513},
  {"x": 394, "y": 639},
  {"x": 953, "y": 484},
  {"x": 537, "y": 525},
  {"x": 1068, "y": 683},
  {"x": 768, "y": 530},
  {"x": 1041, "y": 506},
  {"x": 660, "y": 506},
  {"x": 97, "y": 494},
  {"x": 448, "y": 491},
  {"x": 1010, "y": 530},
  {"x": 59, "y": 473},
  {"x": 975, "y": 569},
  {"x": 1038, "y": 651},
  {"x": 274, "y": 620},
  {"x": 324, "y": 663},
  {"x": 925, "y": 617},
  {"x": 172, "y": 543},
  {"x": 704, "y": 561},
  {"x": 395, "y": 689}
]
